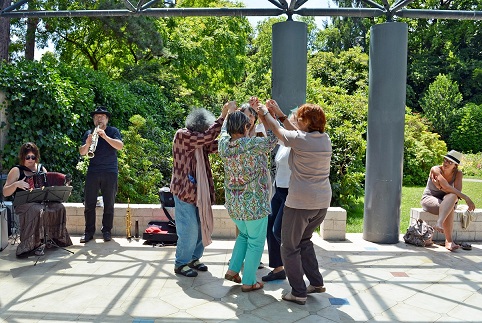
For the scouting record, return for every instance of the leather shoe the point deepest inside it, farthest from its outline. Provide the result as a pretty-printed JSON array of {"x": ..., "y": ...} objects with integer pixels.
[
  {"x": 86, "y": 238},
  {"x": 107, "y": 236},
  {"x": 291, "y": 298},
  {"x": 274, "y": 276}
]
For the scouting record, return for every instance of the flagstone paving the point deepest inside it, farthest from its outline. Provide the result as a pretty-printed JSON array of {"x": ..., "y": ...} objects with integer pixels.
[{"x": 128, "y": 281}]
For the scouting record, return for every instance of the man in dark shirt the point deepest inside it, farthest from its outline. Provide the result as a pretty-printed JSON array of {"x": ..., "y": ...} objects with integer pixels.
[{"x": 102, "y": 172}]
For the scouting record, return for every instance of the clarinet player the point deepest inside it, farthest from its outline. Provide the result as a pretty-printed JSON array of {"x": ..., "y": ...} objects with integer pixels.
[{"x": 101, "y": 145}]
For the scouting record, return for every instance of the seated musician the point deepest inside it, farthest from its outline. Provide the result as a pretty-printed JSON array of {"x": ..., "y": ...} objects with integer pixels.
[{"x": 35, "y": 217}]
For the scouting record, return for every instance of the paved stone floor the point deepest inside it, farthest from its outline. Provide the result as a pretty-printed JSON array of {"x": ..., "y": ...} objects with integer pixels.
[{"x": 122, "y": 281}]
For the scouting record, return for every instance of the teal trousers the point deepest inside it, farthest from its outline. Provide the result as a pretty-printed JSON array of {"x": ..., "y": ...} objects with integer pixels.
[{"x": 249, "y": 248}]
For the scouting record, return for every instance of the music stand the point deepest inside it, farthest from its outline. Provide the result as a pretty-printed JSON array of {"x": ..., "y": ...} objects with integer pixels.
[
  {"x": 44, "y": 195},
  {"x": 30, "y": 196}
]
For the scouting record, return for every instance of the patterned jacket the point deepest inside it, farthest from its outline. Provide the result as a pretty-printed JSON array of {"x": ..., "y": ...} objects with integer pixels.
[
  {"x": 183, "y": 181},
  {"x": 247, "y": 180}
]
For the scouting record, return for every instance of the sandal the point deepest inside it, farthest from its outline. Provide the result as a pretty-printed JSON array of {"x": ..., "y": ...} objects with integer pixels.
[
  {"x": 234, "y": 278},
  {"x": 185, "y": 271},
  {"x": 251, "y": 288},
  {"x": 466, "y": 246},
  {"x": 196, "y": 264}
]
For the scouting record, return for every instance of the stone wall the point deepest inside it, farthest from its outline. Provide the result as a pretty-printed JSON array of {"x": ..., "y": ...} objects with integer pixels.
[
  {"x": 472, "y": 233},
  {"x": 333, "y": 228}
]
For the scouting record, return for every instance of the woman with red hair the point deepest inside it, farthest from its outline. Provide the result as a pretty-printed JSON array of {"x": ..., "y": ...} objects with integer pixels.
[{"x": 309, "y": 192}]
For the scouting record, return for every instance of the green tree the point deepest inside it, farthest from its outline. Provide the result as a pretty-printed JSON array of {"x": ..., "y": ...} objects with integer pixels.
[
  {"x": 440, "y": 104},
  {"x": 139, "y": 179},
  {"x": 209, "y": 52},
  {"x": 107, "y": 43},
  {"x": 444, "y": 46},
  {"x": 343, "y": 33}
]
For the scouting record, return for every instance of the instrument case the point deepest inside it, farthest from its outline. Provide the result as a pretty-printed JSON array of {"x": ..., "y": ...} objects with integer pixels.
[{"x": 163, "y": 231}]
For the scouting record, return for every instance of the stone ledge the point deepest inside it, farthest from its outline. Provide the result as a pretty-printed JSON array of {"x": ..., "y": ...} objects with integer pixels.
[
  {"x": 332, "y": 228},
  {"x": 472, "y": 233}
]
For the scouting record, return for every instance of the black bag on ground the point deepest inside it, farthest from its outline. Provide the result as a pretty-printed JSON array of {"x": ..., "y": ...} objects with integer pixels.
[
  {"x": 166, "y": 197},
  {"x": 419, "y": 234},
  {"x": 162, "y": 232}
]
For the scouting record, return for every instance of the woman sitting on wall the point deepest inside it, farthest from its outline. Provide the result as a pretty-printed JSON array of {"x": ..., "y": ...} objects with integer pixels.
[{"x": 443, "y": 190}]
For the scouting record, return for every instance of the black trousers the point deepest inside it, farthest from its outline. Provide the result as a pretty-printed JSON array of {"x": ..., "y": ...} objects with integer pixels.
[
  {"x": 107, "y": 184},
  {"x": 275, "y": 219}
]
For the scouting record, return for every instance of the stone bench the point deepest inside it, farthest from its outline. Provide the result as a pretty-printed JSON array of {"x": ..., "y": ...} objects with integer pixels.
[
  {"x": 333, "y": 228},
  {"x": 472, "y": 233}
]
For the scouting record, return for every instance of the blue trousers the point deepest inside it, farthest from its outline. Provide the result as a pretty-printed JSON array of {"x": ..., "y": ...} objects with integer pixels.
[
  {"x": 189, "y": 245},
  {"x": 248, "y": 248}
]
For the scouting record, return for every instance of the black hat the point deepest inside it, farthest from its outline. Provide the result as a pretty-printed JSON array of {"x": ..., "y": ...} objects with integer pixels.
[{"x": 101, "y": 110}]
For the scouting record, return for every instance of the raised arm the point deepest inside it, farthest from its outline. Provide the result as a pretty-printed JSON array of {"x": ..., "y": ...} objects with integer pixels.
[{"x": 273, "y": 106}]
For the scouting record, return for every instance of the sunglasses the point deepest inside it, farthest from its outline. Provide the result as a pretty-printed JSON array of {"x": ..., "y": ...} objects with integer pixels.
[
  {"x": 448, "y": 161},
  {"x": 32, "y": 157}
]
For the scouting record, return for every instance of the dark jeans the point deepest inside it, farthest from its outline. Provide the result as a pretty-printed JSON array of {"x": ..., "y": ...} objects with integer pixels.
[
  {"x": 297, "y": 249},
  {"x": 107, "y": 184},
  {"x": 275, "y": 219}
]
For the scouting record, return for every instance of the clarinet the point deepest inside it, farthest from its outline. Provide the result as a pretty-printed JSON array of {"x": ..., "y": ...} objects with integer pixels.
[{"x": 93, "y": 145}]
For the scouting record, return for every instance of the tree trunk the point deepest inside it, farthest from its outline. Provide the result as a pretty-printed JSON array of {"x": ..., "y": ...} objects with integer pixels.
[
  {"x": 4, "y": 32},
  {"x": 30, "y": 38}
]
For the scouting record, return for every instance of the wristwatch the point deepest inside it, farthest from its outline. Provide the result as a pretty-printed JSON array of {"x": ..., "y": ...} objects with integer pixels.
[{"x": 265, "y": 113}]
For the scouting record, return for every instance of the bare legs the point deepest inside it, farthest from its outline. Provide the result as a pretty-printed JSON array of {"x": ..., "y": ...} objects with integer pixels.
[{"x": 445, "y": 222}]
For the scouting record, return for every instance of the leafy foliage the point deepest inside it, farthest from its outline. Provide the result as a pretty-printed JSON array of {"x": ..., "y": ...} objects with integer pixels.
[
  {"x": 468, "y": 132},
  {"x": 38, "y": 93},
  {"x": 422, "y": 150},
  {"x": 36, "y": 97},
  {"x": 139, "y": 178}
]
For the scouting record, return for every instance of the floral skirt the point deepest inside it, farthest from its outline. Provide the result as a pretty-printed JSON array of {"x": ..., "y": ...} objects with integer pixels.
[{"x": 38, "y": 221}]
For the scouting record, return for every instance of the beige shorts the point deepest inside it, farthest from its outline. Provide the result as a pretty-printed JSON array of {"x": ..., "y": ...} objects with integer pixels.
[{"x": 432, "y": 204}]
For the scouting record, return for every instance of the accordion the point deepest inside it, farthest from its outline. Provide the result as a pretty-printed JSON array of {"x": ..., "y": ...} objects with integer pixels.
[{"x": 39, "y": 180}]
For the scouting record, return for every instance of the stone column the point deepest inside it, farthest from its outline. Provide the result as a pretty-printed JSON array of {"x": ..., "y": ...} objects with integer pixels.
[
  {"x": 386, "y": 120},
  {"x": 289, "y": 64}
]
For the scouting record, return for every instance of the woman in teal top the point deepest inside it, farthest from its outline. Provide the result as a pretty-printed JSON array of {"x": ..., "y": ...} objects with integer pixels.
[{"x": 247, "y": 190}]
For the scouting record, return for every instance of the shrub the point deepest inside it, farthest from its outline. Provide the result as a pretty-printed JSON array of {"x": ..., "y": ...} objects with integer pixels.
[{"x": 422, "y": 150}]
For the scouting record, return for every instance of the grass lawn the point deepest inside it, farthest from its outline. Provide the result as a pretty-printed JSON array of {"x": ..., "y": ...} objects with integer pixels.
[{"x": 410, "y": 198}]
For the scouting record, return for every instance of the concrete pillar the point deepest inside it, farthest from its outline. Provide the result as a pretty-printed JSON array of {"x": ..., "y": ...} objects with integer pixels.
[
  {"x": 289, "y": 63},
  {"x": 386, "y": 119}
]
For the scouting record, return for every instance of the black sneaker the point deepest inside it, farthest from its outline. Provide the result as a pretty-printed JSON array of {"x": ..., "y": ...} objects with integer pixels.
[
  {"x": 274, "y": 276},
  {"x": 107, "y": 236},
  {"x": 185, "y": 271}
]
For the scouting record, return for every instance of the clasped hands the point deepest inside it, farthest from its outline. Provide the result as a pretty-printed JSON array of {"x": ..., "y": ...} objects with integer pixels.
[{"x": 271, "y": 106}]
